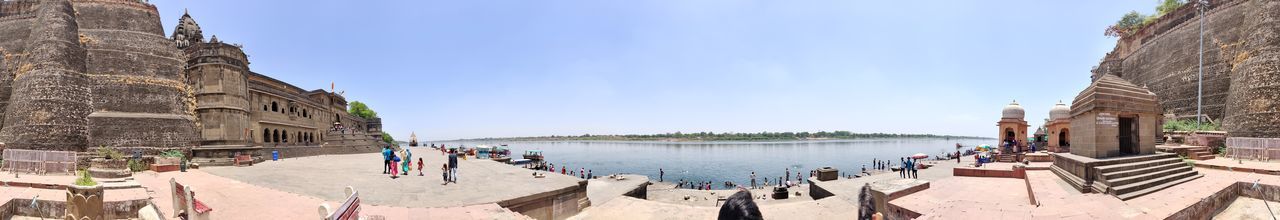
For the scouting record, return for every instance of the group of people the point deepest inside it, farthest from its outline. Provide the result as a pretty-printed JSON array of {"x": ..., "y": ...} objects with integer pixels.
[
  {"x": 583, "y": 172},
  {"x": 397, "y": 162}
]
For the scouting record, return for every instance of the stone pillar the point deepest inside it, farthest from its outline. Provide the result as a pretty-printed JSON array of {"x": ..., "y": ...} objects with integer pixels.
[
  {"x": 50, "y": 99},
  {"x": 1254, "y": 97}
]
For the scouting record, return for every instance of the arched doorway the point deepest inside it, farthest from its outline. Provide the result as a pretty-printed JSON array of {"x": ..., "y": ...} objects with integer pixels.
[
  {"x": 1064, "y": 138},
  {"x": 275, "y": 136},
  {"x": 266, "y": 135}
]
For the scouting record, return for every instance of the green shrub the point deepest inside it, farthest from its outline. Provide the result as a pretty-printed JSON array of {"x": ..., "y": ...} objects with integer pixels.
[
  {"x": 1189, "y": 125},
  {"x": 85, "y": 179},
  {"x": 137, "y": 166},
  {"x": 110, "y": 153},
  {"x": 172, "y": 154}
]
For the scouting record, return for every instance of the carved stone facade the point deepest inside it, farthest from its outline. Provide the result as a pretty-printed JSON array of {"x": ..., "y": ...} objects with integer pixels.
[{"x": 77, "y": 74}]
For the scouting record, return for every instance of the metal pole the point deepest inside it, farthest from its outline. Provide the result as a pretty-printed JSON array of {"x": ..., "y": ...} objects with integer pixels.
[{"x": 1200, "y": 72}]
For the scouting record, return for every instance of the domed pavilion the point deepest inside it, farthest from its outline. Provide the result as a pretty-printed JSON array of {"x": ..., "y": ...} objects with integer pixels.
[
  {"x": 1059, "y": 128},
  {"x": 1012, "y": 125}
]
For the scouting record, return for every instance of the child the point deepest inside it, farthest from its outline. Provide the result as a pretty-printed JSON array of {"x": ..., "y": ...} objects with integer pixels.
[
  {"x": 444, "y": 173},
  {"x": 419, "y": 166}
]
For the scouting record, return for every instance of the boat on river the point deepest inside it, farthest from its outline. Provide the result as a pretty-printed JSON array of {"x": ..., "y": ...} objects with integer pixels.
[{"x": 535, "y": 155}]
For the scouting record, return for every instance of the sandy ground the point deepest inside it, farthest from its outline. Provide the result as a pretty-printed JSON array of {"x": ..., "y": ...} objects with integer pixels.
[
  {"x": 1245, "y": 208},
  {"x": 480, "y": 181}
]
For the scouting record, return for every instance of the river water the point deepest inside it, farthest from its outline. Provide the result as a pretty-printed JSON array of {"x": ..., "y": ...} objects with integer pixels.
[{"x": 727, "y": 161}]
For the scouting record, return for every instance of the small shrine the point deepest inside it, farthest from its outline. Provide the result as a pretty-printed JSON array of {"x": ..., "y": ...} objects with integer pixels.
[
  {"x": 1059, "y": 128},
  {"x": 1113, "y": 129},
  {"x": 1114, "y": 118},
  {"x": 1013, "y": 128}
]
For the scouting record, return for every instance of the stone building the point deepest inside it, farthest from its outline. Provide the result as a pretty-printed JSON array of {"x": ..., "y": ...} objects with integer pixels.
[
  {"x": 1059, "y": 128},
  {"x": 1115, "y": 125},
  {"x": 1241, "y": 55},
  {"x": 78, "y": 74},
  {"x": 1114, "y": 118},
  {"x": 1013, "y": 126}
]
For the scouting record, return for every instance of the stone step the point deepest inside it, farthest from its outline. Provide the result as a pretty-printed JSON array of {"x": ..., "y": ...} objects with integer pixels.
[
  {"x": 1075, "y": 182},
  {"x": 1149, "y": 190},
  {"x": 1137, "y": 165},
  {"x": 1206, "y": 157},
  {"x": 1150, "y": 174},
  {"x": 1136, "y": 172},
  {"x": 1150, "y": 183},
  {"x": 1134, "y": 159}
]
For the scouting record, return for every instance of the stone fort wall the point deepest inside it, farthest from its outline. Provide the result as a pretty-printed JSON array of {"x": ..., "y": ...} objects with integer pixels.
[
  {"x": 1241, "y": 55},
  {"x": 77, "y": 74}
]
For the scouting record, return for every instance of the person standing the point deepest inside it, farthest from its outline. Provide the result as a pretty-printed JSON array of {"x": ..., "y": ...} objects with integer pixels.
[
  {"x": 420, "y": 166},
  {"x": 453, "y": 168},
  {"x": 408, "y": 160},
  {"x": 753, "y": 179},
  {"x": 787, "y": 174},
  {"x": 386, "y": 160},
  {"x": 660, "y": 174},
  {"x": 582, "y": 172},
  {"x": 902, "y": 172},
  {"x": 912, "y": 163},
  {"x": 957, "y": 155}
]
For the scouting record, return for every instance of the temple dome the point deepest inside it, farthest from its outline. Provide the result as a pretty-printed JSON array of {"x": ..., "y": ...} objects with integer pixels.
[
  {"x": 1013, "y": 111},
  {"x": 1060, "y": 111}
]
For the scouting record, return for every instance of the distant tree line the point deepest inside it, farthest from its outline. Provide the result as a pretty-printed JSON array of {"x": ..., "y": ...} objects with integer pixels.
[{"x": 726, "y": 136}]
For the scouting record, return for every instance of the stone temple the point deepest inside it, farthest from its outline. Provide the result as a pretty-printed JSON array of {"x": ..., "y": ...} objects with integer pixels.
[{"x": 79, "y": 74}]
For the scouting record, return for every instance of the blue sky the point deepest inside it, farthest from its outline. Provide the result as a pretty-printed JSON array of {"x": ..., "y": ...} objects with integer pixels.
[{"x": 486, "y": 68}]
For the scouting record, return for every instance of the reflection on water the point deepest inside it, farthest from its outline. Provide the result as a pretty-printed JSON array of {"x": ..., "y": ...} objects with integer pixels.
[{"x": 727, "y": 161}]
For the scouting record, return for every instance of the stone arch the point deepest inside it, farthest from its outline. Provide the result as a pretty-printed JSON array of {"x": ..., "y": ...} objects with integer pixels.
[
  {"x": 275, "y": 135},
  {"x": 304, "y": 113},
  {"x": 275, "y": 107},
  {"x": 1064, "y": 137},
  {"x": 284, "y": 136},
  {"x": 266, "y": 135}
]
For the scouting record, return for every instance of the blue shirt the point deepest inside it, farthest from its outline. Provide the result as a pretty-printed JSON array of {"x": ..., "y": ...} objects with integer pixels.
[
  {"x": 386, "y": 153},
  {"x": 453, "y": 161}
]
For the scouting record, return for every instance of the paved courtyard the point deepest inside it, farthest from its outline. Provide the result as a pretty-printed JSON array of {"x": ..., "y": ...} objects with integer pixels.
[{"x": 480, "y": 181}]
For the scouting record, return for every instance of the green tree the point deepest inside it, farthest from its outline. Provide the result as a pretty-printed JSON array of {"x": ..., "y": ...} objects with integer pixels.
[
  {"x": 1127, "y": 24},
  {"x": 1168, "y": 6},
  {"x": 387, "y": 138},
  {"x": 359, "y": 109}
]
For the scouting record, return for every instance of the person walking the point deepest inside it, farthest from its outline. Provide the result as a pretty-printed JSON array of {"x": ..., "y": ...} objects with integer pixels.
[
  {"x": 386, "y": 160},
  {"x": 420, "y": 166},
  {"x": 912, "y": 163},
  {"x": 408, "y": 160},
  {"x": 444, "y": 173},
  {"x": 453, "y": 168}
]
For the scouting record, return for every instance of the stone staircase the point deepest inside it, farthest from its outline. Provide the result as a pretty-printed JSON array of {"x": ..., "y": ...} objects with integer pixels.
[
  {"x": 1200, "y": 153},
  {"x": 1007, "y": 158},
  {"x": 1143, "y": 175}
]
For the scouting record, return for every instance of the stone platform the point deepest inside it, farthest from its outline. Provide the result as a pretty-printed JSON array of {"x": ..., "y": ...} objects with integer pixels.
[
  {"x": 480, "y": 181},
  {"x": 123, "y": 197},
  {"x": 605, "y": 188}
]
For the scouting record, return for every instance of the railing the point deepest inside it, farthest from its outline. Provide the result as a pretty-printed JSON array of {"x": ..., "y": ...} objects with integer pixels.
[
  {"x": 38, "y": 161},
  {"x": 1253, "y": 148}
]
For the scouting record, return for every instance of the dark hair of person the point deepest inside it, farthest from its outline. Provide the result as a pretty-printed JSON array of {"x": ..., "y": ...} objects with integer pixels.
[{"x": 739, "y": 206}]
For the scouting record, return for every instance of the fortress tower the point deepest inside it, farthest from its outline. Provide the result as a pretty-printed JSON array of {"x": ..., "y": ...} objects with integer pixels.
[
  {"x": 50, "y": 99},
  {"x": 216, "y": 72}
]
